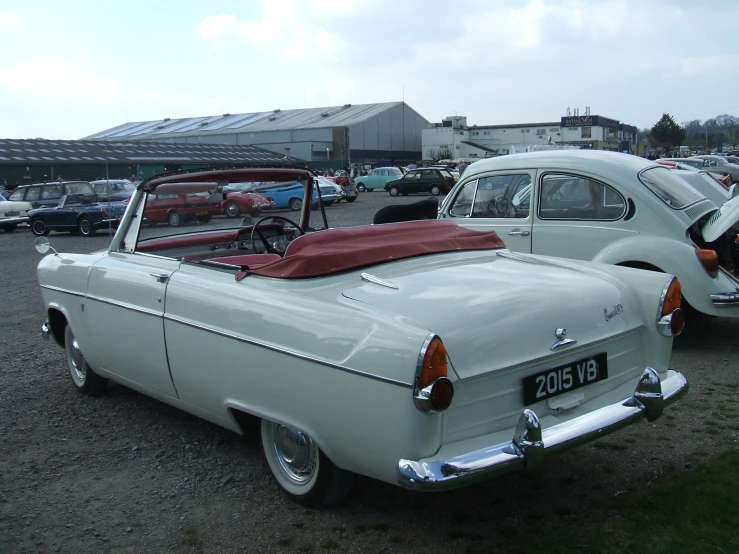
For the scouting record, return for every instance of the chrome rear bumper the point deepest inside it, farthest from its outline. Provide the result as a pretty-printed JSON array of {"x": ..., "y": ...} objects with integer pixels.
[
  {"x": 530, "y": 442},
  {"x": 725, "y": 299}
]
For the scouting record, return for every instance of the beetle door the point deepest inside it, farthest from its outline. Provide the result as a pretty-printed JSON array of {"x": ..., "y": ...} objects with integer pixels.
[
  {"x": 125, "y": 318},
  {"x": 577, "y": 216},
  {"x": 497, "y": 202}
]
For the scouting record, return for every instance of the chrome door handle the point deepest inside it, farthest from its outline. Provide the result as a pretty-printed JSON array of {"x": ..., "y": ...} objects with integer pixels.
[
  {"x": 520, "y": 233},
  {"x": 161, "y": 277}
]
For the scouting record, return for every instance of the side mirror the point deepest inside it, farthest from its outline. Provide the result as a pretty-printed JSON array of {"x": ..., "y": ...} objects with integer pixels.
[{"x": 43, "y": 245}]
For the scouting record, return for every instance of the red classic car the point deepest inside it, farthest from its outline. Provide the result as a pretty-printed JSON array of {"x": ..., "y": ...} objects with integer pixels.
[
  {"x": 176, "y": 209},
  {"x": 238, "y": 203}
]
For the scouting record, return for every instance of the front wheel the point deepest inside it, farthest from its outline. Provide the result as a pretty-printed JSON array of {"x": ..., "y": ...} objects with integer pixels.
[
  {"x": 296, "y": 204},
  {"x": 232, "y": 209},
  {"x": 435, "y": 190},
  {"x": 84, "y": 378},
  {"x": 303, "y": 472},
  {"x": 360, "y": 187},
  {"x": 39, "y": 228},
  {"x": 393, "y": 191},
  {"x": 174, "y": 218},
  {"x": 84, "y": 227}
]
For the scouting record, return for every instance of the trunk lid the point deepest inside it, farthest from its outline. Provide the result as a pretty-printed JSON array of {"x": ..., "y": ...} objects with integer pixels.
[
  {"x": 493, "y": 312},
  {"x": 721, "y": 220}
]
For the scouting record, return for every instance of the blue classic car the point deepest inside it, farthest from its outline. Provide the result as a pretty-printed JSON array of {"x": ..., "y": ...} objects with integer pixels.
[
  {"x": 290, "y": 195},
  {"x": 76, "y": 213}
]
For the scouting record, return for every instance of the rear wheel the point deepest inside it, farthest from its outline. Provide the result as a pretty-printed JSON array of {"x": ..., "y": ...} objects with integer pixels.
[
  {"x": 39, "y": 228},
  {"x": 174, "y": 218},
  {"x": 360, "y": 187},
  {"x": 296, "y": 204},
  {"x": 84, "y": 227},
  {"x": 435, "y": 190},
  {"x": 232, "y": 209},
  {"x": 393, "y": 191},
  {"x": 303, "y": 472},
  {"x": 84, "y": 378}
]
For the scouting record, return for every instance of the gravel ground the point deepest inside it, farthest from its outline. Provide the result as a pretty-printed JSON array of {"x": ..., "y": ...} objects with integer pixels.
[{"x": 124, "y": 473}]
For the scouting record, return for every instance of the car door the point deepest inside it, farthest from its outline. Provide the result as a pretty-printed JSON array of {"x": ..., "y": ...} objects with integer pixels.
[
  {"x": 33, "y": 195},
  {"x": 499, "y": 202},
  {"x": 577, "y": 216},
  {"x": 125, "y": 318}
]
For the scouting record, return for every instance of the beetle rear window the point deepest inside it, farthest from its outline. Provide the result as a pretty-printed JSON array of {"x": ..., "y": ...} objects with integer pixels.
[{"x": 671, "y": 189}]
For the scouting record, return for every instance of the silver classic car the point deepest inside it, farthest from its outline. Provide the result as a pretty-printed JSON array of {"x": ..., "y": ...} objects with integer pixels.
[{"x": 419, "y": 353}]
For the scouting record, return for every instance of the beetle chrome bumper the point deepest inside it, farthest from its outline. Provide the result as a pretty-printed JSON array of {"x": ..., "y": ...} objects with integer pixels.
[
  {"x": 530, "y": 442},
  {"x": 725, "y": 299},
  {"x": 45, "y": 331}
]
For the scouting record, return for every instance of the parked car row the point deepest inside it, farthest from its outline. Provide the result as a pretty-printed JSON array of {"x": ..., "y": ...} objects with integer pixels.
[{"x": 84, "y": 207}]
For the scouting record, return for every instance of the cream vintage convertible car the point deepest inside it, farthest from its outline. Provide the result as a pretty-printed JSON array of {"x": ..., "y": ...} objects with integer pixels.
[{"x": 418, "y": 353}]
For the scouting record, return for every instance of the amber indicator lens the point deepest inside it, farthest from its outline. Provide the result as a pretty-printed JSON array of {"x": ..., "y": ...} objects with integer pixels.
[
  {"x": 672, "y": 298},
  {"x": 434, "y": 363},
  {"x": 709, "y": 260}
]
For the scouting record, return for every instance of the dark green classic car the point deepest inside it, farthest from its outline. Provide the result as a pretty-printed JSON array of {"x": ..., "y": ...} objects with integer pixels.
[{"x": 424, "y": 180}]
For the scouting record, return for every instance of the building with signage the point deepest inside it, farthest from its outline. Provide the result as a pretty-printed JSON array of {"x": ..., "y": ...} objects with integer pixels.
[
  {"x": 388, "y": 133},
  {"x": 456, "y": 139}
]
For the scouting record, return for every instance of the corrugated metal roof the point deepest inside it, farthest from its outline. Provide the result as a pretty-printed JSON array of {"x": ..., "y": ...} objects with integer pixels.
[
  {"x": 276, "y": 120},
  {"x": 35, "y": 151}
]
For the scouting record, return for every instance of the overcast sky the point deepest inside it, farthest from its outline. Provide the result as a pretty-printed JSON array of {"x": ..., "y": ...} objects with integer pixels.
[{"x": 70, "y": 69}]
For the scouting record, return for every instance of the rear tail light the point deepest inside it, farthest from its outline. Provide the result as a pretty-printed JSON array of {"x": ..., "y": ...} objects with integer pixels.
[
  {"x": 671, "y": 318},
  {"x": 432, "y": 390},
  {"x": 709, "y": 261}
]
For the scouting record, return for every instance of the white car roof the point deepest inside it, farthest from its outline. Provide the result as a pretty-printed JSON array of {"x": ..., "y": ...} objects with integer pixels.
[{"x": 613, "y": 165}]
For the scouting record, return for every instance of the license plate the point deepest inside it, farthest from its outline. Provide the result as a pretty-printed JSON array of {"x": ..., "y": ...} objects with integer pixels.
[
  {"x": 204, "y": 212},
  {"x": 564, "y": 378},
  {"x": 12, "y": 213}
]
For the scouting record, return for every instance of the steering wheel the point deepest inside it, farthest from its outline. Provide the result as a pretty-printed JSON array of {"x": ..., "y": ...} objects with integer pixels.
[{"x": 268, "y": 247}]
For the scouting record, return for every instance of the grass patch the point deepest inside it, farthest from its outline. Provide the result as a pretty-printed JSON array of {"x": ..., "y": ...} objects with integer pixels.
[
  {"x": 330, "y": 544},
  {"x": 191, "y": 539},
  {"x": 696, "y": 511}
]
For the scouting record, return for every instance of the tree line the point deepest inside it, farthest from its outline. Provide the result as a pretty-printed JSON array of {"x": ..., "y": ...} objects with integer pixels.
[{"x": 717, "y": 132}]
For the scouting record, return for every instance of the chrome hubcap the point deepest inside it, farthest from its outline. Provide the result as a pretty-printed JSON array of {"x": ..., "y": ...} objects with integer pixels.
[
  {"x": 77, "y": 361},
  {"x": 296, "y": 454},
  {"x": 233, "y": 210},
  {"x": 85, "y": 226}
]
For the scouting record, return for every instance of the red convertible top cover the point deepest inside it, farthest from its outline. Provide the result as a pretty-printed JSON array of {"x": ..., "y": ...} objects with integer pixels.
[{"x": 337, "y": 250}]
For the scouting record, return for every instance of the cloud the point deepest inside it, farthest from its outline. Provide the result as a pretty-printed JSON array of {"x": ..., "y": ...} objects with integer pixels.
[{"x": 8, "y": 20}]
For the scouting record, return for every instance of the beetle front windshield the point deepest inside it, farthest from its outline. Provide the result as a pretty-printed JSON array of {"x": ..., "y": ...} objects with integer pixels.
[{"x": 671, "y": 189}]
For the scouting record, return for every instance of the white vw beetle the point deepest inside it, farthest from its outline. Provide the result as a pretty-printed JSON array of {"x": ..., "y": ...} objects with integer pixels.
[
  {"x": 606, "y": 207},
  {"x": 419, "y": 353}
]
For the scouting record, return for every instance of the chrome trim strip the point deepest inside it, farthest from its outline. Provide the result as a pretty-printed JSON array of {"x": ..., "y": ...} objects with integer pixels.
[
  {"x": 529, "y": 442},
  {"x": 14, "y": 220},
  {"x": 59, "y": 289},
  {"x": 273, "y": 348},
  {"x": 137, "y": 309},
  {"x": 725, "y": 299},
  {"x": 377, "y": 281}
]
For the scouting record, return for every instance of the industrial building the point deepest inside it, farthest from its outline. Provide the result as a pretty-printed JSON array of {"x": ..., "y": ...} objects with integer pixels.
[
  {"x": 454, "y": 137},
  {"x": 37, "y": 160},
  {"x": 384, "y": 133}
]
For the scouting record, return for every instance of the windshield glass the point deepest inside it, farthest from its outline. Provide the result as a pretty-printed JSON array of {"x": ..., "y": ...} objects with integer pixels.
[
  {"x": 669, "y": 188},
  {"x": 172, "y": 209}
]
